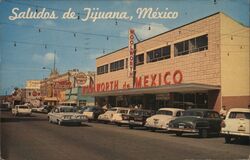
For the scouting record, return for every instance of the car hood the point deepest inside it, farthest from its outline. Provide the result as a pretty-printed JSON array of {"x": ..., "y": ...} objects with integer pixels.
[
  {"x": 186, "y": 119},
  {"x": 160, "y": 117}
]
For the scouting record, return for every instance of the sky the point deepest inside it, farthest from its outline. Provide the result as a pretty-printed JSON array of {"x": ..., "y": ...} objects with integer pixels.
[{"x": 29, "y": 45}]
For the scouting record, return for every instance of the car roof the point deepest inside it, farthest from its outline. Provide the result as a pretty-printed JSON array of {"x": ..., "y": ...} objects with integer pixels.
[
  {"x": 239, "y": 109},
  {"x": 200, "y": 109},
  {"x": 64, "y": 106},
  {"x": 171, "y": 109},
  {"x": 121, "y": 108}
]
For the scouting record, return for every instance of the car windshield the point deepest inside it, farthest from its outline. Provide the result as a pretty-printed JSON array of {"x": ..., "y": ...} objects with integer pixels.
[
  {"x": 193, "y": 113},
  {"x": 239, "y": 115},
  {"x": 90, "y": 109},
  {"x": 67, "y": 109},
  {"x": 112, "y": 109},
  {"x": 141, "y": 113},
  {"x": 123, "y": 111},
  {"x": 164, "y": 112},
  {"x": 23, "y": 107}
]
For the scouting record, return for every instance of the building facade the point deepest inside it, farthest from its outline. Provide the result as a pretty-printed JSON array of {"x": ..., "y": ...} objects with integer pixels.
[
  {"x": 54, "y": 89},
  {"x": 202, "y": 64},
  {"x": 32, "y": 92}
]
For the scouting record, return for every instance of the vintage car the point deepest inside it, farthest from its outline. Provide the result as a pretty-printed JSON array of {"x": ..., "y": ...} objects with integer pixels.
[
  {"x": 21, "y": 110},
  {"x": 121, "y": 117},
  {"x": 236, "y": 124},
  {"x": 162, "y": 117},
  {"x": 138, "y": 117},
  {"x": 42, "y": 109},
  {"x": 65, "y": 114},
  {"x": 92, "y": 112},
  {"x": 201, "y": 121},
  {"x": 107, "y": 116}
]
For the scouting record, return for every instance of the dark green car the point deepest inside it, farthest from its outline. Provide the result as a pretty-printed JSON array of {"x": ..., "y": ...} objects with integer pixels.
[{"x": 201, "y": 121}]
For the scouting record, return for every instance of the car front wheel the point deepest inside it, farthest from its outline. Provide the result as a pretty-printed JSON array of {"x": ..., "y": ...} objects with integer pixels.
[
  {"x": 179, "y": 134},
  {"x": 203, "y": 133},
  {"x": 227, "y": 139},
  {"x": 59, "y": 122}
]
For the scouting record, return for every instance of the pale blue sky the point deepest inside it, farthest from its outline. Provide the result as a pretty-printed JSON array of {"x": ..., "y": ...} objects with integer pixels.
[{"x": 25, "y": 60}]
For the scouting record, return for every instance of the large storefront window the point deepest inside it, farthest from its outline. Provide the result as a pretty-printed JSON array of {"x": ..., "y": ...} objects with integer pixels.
[
  {"x": 192, "y": 45},
  {"x": 190, "y": 100}
]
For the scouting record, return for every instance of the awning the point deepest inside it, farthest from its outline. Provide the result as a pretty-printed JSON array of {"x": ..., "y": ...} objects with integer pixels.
[
  {"x": 188, "y": 87},
  {"x": 51, "y": 99},
  {"x": 68, "y": 102}
]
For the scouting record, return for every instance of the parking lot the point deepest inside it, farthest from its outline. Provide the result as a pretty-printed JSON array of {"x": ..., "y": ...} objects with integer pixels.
[{"x": 33, "y": 138}]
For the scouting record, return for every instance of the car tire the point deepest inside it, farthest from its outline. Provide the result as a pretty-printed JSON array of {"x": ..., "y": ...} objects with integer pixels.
[
  {"x": 119, "y": 124},
  {"x": 50, "y": 121},
  {"x": 152, "y": 129},
  {"x": 131, "y": 127},
  {"x": 59, "y": 122},
  {"x": 203, "y": 133},
  {"x": 179, "y": 134},
  {"x": 227, "y": 139}
]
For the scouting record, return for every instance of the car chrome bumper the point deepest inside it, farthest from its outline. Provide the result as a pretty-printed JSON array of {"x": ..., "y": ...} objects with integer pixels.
[
  {"x": 121, "y": 122},
  {"x": 225, "y": 133},
  {"x": 72, "y": 120},
  {"x": 136, "y": 123},
  {"x": 186, "y": 130},
  {"x": 156, "y": 126}
]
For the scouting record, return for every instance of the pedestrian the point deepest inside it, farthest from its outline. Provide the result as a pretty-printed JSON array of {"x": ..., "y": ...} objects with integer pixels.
[{"x": 223, "y": 111}]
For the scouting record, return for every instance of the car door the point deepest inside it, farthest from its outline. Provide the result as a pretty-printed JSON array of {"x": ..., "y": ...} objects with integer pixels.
[
  {"x": 214, "y": 121},
  {"x": 54, "y": 114}
]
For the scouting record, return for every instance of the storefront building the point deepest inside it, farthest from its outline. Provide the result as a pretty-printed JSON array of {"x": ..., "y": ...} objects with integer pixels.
[
  {"x": 74, "y": 97},
  {"x": 57, "y": 88},
  {"x": 202, "y": 64},
  {"x": 32, "y": 92}
]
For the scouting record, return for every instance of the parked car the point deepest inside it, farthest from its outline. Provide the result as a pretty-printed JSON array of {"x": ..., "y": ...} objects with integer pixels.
[
  {"x": 21, "y": 110},
  {"x": 92, "y": 112},
  {"x": 201, "y": 121},
  {"x": 236, "y": 124},
  {"x": 107, "y": 116},
  {"x": 121, "y": 117},
  {"x": 80, "y": 109},
  {"x": 138, "y": 117},
  {"x": 65, "y": 114},
  {"x": 162, "y": 118},
  {"x": 5, "y": 106},
  {"x": 42, "y": 109}
]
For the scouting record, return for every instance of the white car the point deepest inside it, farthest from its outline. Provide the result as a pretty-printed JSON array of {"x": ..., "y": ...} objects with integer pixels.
[
  {"x": 108, "y": 115},
  {"x": 92, "y": 112},
  {"x": 236, "y": 124},
  {"x": 21, "y": 110},
  {"x": 65, "y": 114},
  {"x": 121, "y": 117},
  {"x": 162, "y": 118}
]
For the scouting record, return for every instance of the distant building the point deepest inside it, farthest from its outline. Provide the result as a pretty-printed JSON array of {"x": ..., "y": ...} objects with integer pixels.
[
  {"x": 55, "y": 88},
  {"x": 32, "y": 92}
]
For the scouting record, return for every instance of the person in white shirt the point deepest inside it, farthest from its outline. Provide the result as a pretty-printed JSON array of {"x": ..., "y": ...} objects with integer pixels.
[{"x": 223, "y": 111}]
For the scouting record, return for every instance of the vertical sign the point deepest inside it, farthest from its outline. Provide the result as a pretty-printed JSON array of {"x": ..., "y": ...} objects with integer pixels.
[{"x": 131, "y": 52}]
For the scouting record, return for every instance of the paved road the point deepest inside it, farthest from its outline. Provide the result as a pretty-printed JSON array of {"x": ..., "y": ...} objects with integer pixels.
[{"x": 33, "y": 138}]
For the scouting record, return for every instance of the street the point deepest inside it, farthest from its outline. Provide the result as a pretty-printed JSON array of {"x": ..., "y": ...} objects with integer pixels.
[{"x": 34, "y": 138}]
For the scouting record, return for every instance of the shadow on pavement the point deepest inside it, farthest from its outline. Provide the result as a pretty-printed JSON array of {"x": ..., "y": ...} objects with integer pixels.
[
  {"x": 242, "y": 141},
  {"x": 21, "y": 118}
]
